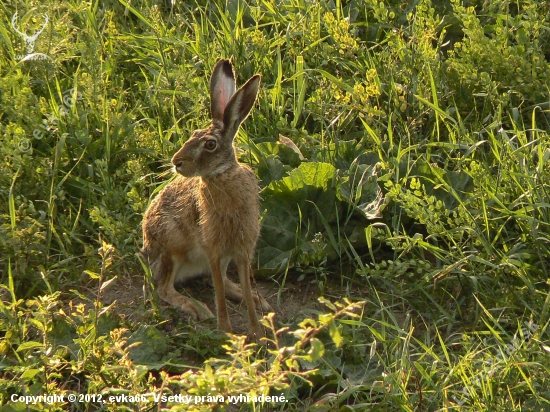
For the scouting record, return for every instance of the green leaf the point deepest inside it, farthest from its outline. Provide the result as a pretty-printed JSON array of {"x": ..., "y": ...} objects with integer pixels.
[
  {"x": 340, "y": 83},
  {"x": 29, "y": 345},
  {"x": 317, "y": 350},
  {"x": 273, "y": 160},
  {"x": 29, "y": 374},
  {"x": 93, "y": 275},
  {"x": 148, "y": 345},
  {"x": 310, "y": 175},
  {"x": 327, "y": 303},
  {"x": 292, "y": 215},
  {"x": 335, "y": 334}
]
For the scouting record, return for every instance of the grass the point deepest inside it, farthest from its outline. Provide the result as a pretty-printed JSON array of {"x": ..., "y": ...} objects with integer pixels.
[{"x": 412, "y": 199}]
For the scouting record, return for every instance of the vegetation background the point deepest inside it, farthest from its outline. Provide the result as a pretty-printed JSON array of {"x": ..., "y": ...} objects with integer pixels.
[{"x": 415, "y": 200}]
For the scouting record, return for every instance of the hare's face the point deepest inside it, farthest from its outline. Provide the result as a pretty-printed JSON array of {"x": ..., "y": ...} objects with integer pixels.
[{"x": 206, "y": 153}]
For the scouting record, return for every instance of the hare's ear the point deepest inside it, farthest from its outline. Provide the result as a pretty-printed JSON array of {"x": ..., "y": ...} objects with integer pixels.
[
  {"x": 222, "y": 88},
  {"x": 240, "y": 105}
]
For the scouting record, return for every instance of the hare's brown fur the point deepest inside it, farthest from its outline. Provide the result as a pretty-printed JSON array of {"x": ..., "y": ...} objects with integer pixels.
[{"x": 208, "y": 215}]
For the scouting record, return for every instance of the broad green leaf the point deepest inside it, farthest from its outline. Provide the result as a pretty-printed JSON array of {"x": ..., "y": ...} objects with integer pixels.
[
  {"x": 29, "y": 345},
  {"x": 29, "y": 374},
  {"x": 291, "y": 213},
  {"x": 148, "y": 345}
]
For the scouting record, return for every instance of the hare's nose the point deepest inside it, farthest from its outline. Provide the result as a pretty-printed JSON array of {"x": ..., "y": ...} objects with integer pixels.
[{"x": 177, "y": 161}]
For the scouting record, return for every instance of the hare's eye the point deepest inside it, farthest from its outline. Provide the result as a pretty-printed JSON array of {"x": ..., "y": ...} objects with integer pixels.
[{"x": 210, "y": 145}]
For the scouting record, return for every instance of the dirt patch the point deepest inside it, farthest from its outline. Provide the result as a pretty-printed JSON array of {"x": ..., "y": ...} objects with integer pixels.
[
  {"x": 291, "y": 304},
  {"x": 130, "y": 296}
]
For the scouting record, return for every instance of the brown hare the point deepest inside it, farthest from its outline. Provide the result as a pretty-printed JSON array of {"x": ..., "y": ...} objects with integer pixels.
[{"x": 208, "y": 215}]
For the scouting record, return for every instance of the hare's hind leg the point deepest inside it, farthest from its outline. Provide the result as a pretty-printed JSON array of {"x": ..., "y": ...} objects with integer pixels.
[
  {"x": 243, "y": 267},
  {"x": 167, "y": 271}
]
